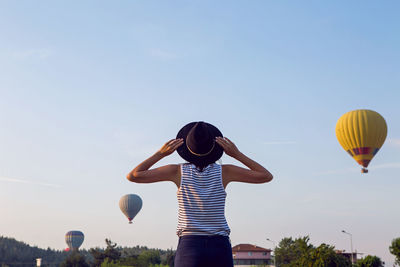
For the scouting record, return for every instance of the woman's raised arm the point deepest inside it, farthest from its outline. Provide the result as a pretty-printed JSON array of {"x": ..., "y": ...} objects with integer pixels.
[
  {"x": 143, "y": 174},
  {"x": 231, "y": 173}
]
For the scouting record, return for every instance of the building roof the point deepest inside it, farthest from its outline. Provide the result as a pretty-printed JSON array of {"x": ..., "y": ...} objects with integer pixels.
[
  {"x": 346, "y": 253},
  {"x": 248, "y": 248}
]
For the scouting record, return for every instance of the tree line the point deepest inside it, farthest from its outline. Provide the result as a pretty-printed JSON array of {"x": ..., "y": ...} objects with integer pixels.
[
  {"x": 300, "y": 252},
  {"x": 290, "y": 252},
  {"x": 15, "y": 253}
]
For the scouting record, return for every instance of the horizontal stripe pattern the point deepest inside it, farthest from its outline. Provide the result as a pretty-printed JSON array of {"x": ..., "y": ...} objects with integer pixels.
[
  {"x": 74, "y": 239},
  {"x": 201, "y": 199}
]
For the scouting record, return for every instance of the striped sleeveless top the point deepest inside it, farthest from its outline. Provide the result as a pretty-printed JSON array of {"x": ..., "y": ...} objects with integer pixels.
[{"x": 201, "y": 199}]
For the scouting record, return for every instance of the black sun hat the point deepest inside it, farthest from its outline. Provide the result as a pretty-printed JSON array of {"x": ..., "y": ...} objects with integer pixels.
[{"x": 199, "y": 146}]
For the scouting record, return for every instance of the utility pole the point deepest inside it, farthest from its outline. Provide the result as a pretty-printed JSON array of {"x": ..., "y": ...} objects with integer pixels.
[
  {"x": 351, "y": 245},
  {"x": 273, "y": 242}
]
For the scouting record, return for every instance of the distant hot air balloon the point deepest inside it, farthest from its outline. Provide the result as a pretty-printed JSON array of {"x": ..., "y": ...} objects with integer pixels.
[
  {"x": 361, "y": 133},
  {"x": 74, "y": 239},
  {"x": 130, "y": 205}
]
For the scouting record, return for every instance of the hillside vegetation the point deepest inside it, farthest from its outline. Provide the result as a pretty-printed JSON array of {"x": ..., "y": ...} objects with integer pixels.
[{"x": 15, "y": 253}]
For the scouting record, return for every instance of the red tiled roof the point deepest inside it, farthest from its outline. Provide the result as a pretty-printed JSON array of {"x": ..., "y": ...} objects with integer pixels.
[{"x": 248, "y": 248}]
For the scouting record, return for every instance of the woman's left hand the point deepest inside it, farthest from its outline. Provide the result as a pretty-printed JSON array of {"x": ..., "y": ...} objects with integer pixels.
[
  {"x": 229, "y": 147},
  {"x": 169, "y": 147}
]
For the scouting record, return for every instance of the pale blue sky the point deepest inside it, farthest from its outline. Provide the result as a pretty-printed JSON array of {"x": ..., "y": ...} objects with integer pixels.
[{"x": 90, "y": 89}]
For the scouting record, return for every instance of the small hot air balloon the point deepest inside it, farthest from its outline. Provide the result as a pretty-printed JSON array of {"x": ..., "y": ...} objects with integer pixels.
[
  {"x": 74, "y": 239},
  {"x": 361, "y": 133},
  {"x": 130, "y": 205}
]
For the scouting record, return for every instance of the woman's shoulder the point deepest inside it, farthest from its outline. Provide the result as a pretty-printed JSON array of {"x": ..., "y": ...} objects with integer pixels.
[{"x": 228, "y": 168}]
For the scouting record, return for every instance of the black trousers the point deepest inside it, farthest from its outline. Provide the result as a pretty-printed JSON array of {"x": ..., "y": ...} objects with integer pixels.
[{"x": 204, "y": 251}]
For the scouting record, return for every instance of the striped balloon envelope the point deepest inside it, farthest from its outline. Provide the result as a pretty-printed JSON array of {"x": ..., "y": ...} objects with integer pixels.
[
  {"x": 130, "y": 205},
  {"x": 361, "y": 133},
  {"x": 74, "y": 239}
]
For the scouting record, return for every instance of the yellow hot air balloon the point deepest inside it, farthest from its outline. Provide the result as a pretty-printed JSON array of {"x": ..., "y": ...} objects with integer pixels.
[{"x": 361, "y": 133}]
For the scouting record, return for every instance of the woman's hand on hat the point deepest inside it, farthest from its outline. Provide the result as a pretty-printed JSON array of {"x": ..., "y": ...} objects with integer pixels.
[
  {"x": 229, "y": 147},
  {"x": 169, "y": 147}
]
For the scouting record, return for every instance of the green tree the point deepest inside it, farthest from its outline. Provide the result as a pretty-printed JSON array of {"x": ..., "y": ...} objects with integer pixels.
[
  {"x": 149, "y": 257},
  {"x": 129, "y": 261},
  {"x": 343, "y": 261},
  {"x": 299, "y": 253},
  {"x": 111, "y": 253},
  {"x": 291, "y": 251},
  {"x": 111, "y": 263},
  {"x": 370, "y": 261},
  {"x": 395, "y": 249},
  {"x": 325, "y": 255},
  {"x": 169, "y": 258},
  {"x": 75, "y": 259}
]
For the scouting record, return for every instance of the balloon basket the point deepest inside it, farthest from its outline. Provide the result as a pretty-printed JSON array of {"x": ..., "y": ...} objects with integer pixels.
[
  {"x": 130, "y": 222},
  {"x": 364, "y": 170}
]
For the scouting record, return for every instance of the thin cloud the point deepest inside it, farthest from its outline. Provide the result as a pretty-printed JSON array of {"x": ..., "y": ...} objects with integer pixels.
[
  {"x": 337, "y": 171},
  {"x": 394, "y": 142},
  {"x": 161, "y": 54},
  {"x": 13, "y": 180},
  {"x": 33, "y": 53},
  {"x": 279, "y": 143},
  {"x": 391, "y": 165}
]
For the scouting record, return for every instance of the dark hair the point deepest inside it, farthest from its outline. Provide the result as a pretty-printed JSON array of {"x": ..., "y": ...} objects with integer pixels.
[{"x": 201, "y": 165}]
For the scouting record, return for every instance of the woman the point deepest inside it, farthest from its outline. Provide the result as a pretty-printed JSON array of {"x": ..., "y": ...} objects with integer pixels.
[{"x": 202, "y": 228}]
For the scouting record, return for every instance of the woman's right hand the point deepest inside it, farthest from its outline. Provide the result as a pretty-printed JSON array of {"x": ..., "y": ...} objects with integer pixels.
[
  {"x": 228, "y": 146},
  {"x": 169, "y": 147}
]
